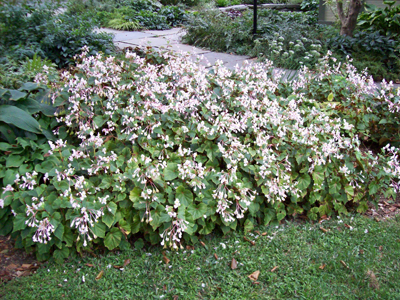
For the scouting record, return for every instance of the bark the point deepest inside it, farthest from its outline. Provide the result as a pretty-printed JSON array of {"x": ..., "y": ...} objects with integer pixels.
[{"x": 349, "y": 21}]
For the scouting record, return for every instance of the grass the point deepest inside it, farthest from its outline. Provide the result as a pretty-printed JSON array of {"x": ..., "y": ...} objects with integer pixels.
[{"x": 361, "y": 262}]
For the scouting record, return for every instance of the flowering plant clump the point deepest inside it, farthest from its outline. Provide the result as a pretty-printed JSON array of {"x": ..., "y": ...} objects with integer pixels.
[{"x": 173, "y": 149}]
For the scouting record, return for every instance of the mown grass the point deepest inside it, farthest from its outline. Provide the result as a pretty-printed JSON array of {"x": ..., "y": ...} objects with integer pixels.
[{"x": 369, "y": 251}]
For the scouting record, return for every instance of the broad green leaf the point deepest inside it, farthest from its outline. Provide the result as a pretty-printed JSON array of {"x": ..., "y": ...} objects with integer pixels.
[
  {"x": 99, "y": 229},
  {"x": 19, "y": 222},
  {"x": 19, "y": 118},
  {"x": 185, "y": 196},
  {"x": 197, "y": 211},
  {"x": 17, "y": 95},
  {"x": 14, "y": 161},
  {"x": 134, "y": 195},
  {"x": 60, "y": 255},
  {"x": 113, "y": 238},
  {"x": 171, "y": 171},
  {"x": 108, "y": 219},
  {"x": 303, "y": 182}
]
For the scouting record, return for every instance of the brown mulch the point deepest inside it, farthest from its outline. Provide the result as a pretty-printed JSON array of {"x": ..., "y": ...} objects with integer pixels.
[{"x": 14, "y": 262}]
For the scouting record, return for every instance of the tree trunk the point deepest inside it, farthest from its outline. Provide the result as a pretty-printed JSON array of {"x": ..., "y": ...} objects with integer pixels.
[{"x": 349, "y": 21}]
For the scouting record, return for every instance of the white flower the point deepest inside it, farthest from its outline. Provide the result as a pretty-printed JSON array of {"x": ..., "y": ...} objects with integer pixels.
[{"x": 83, "y": 278}]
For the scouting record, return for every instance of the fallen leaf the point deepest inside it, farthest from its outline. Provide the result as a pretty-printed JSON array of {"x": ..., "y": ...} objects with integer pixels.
[
  {"x": 175, "y": 297},
  {"x": 216, "y": 256},
  {"x": 264, "y": 233},
  {"x": 164, "y": 287},
  {"x": 322, "y": 266},
  {"x": 11, "y": 266},
  {"x": 117, "y": 267},
  {"x": 256, "y": 282},
  {"x": 166, "y": 260},
  {"x": 247, "y": 240},
  {"x": 274, "y": 268},
  {"x": 233, "y": 264},
  {"x": 89, "y": 265},
  {"x": 323, "y": 229},
  {"x": 26, "y": 266},
  {"x": 189, "y": 247},
  {"x": 202, "y": 244},
  {"x": 380, "y": 248},
  {"x": 361, "y": 251},
  {"x": 256, "y": 231},
  {"x": 377, "y": 219},
  {"x": 60, "y": 285},
  {"x": 127, "y": 262},
  {"x": 254, "y": 276},
  {"x": 344, "y": 264},
  {"x": 373, "y": 281},
  {"x": 98, "y": 277},
  {"x": 348, "y": 226}
]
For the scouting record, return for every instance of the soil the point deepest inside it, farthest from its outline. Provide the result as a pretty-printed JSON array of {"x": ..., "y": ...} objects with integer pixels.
[{"x": 16, "y": 262}]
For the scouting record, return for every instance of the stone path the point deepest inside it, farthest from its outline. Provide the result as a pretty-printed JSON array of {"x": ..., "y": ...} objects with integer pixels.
[{"x": 172, "y": 39}]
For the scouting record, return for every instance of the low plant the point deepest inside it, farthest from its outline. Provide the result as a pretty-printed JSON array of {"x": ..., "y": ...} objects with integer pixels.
[
  {"x": 384, "y": 20},
  {"x": 172, "y": 150},
  {"x": 35, "y": 27}
]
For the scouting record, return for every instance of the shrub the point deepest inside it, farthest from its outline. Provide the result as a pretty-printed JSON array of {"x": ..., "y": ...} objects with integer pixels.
[
  {"x": 379, "y": 53},
  {"x": 384, "y": 20},
  {"x": 32, "y": 28},
  {"x": 171, "y": 150}
]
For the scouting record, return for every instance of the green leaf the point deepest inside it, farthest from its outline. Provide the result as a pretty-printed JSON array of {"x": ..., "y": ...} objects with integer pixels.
[
  {"x": 330, "y": 97},
  {"x": 16, "y": 95},
  {"x": 248, "y": 225},
  {"x": 19, "y": 118},
  {"x": 139, "y": 244},
  {"x": 349, "y": 190},
  {"x": 303, "y": 182},
  {"x": 108, "y": 219},
  {"x": 60, "y": 255},
  {"x": 99, "y": 229},
  {"x": 14, "y": 161},
  {"x": 59, "y": 232},
  {"x": 197, "y": 211},
  {"x": 185, "y": 196},
  {"x": 19, "y": 222},
  {"x": 113, "y": 238},
  {"x": 171, "y": 171},
  {"x": 134, "y": 195}
]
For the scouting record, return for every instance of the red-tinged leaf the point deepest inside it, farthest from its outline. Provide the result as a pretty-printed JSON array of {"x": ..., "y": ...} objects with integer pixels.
[
  {"x": 274, "y": 269},
  {"x": 216, "y": 256},
  {"x": 98, "y": 277},
  {"x": 127, "y": 262},
  {"x": 117, "y": 267},
  {"x": 347, "y": 226},
  {"x": 233, "y": 264},
  {"x": 254, "y": 276}
]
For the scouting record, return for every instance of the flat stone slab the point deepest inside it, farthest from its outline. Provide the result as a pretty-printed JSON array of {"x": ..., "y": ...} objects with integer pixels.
[
  {"x": 227, "y": 59},
  {"x": 173, "y": 31},
  {"x": 120, "y": 35},
  {"x": 154, "y": 42}
]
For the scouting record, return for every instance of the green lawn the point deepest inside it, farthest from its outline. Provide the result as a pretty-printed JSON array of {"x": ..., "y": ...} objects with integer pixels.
[{"x": 369, "y": 251}]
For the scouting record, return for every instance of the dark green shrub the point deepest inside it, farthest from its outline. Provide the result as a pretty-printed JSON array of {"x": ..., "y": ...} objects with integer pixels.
[
  {"x": 384, "y": 20},
  {"x": 32, "y": 28}
]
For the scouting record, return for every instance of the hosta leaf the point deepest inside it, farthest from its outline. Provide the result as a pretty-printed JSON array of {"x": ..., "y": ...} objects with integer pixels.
[{"x": 19, "y": 118}]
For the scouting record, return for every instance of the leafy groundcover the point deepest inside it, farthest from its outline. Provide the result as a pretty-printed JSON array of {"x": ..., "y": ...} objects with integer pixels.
[{"x": 158, "y": 145}]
